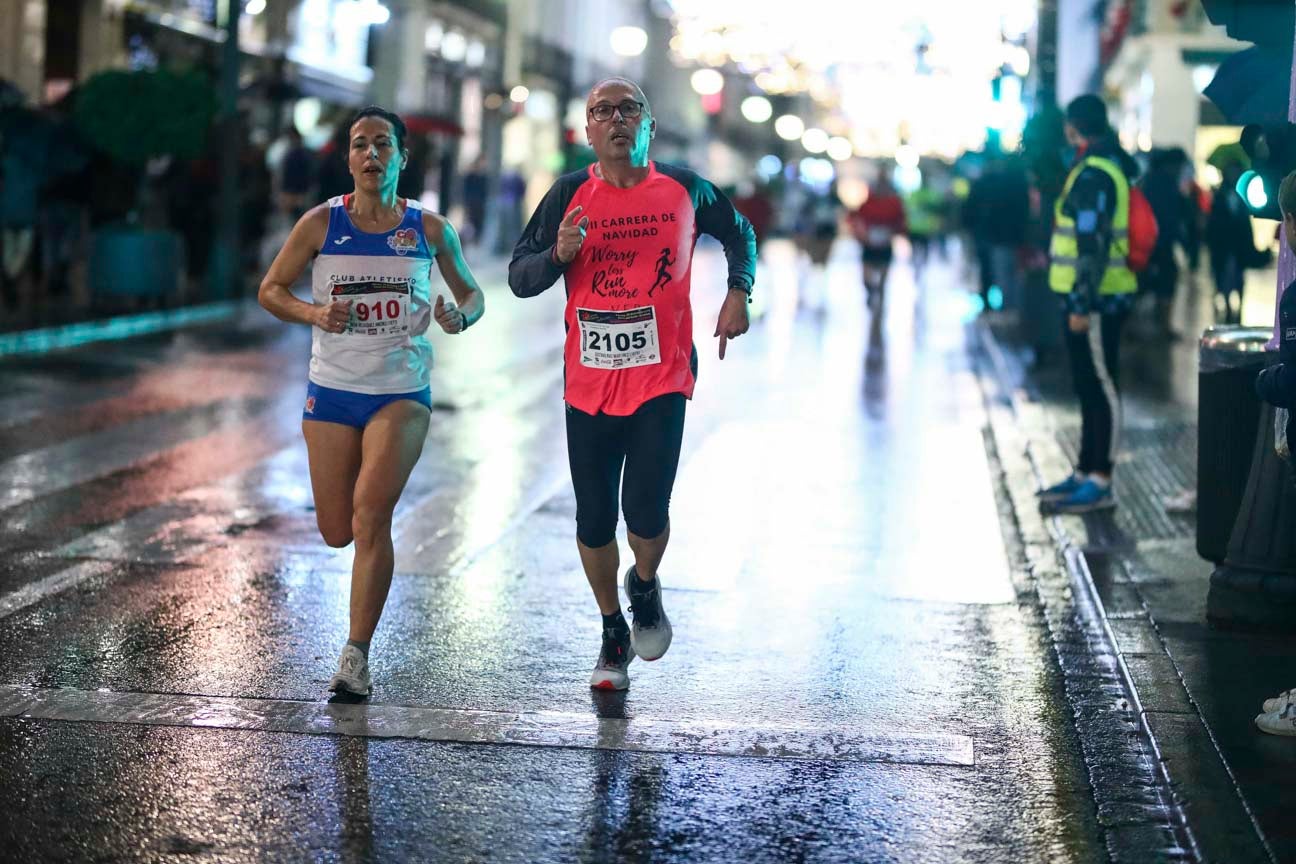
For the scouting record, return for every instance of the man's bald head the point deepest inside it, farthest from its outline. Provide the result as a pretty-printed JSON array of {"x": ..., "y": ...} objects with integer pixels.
[
  {"x": 617, "y": 81},
  {"x": 620, "y": 135}
]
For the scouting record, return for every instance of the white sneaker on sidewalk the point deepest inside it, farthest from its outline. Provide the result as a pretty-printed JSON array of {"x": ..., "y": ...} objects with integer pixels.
[
  {"x": 352, "y": 675},
  {"x": 1279, "y": 702},
  {"x": 1279, "y": 722}
]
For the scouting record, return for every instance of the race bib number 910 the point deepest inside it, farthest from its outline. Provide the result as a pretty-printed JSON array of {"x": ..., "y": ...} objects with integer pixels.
[
  {"x": 377, "y": 308},
  {"x": 618, "y": 340}
]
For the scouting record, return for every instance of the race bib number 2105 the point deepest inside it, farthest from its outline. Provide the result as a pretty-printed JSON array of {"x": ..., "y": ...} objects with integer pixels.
[{"x": 618, "y": 340}]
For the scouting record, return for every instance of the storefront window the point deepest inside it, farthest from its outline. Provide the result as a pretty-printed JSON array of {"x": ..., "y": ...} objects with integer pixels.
[{"x": 334, "y": 35}]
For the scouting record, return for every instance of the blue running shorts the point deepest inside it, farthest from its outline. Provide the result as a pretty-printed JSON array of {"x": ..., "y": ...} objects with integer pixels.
[{"x": 353, "y": 409}]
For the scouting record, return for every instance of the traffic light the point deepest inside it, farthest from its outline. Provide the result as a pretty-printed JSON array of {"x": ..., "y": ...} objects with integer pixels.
[
  {"x": 1272, "y": 149},
  {"x": 1252, "y": 87}
]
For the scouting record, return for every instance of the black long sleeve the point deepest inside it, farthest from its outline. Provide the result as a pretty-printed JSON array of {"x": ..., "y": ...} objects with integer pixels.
[
  {"x": 716, "y": 215},
  {"x": 533, "y": 269}
]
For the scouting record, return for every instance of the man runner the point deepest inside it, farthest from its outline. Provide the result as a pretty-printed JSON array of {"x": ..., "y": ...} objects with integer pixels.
[{"x": 629, "y": 357}]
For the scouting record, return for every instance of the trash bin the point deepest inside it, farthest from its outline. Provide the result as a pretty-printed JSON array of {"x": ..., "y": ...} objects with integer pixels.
[{"x": 1228, "y": 415}]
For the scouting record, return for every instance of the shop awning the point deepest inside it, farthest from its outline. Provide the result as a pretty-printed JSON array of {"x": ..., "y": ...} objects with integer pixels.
[
  {"x": 330, "y": 86},
  {"x": 427, "y": 124}
]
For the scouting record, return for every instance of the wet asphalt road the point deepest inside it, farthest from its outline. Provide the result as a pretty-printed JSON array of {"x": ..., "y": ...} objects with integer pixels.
[{"x": 852, "y": 677}]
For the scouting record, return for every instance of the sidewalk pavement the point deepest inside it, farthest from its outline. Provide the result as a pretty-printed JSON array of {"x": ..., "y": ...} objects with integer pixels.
[
  {"x": 1196, "y": 690},
  {"x": 29, "y": 336}
]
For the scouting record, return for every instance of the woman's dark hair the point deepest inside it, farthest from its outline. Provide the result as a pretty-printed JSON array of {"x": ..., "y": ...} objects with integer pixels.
[{"x": 397, "y": 124}]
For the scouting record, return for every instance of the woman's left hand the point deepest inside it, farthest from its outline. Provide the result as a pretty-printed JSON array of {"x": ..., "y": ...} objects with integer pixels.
[{"x": 449, "y": 316}]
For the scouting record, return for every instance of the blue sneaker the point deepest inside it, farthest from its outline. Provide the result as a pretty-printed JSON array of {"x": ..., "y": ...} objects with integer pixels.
[
  {"x": 1058, "y": 491},
  {"x": 1087, "y": 498}
]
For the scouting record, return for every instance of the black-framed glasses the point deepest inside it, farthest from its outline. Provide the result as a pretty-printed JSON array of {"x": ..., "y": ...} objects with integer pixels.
[{"x": 602, "y": 112}]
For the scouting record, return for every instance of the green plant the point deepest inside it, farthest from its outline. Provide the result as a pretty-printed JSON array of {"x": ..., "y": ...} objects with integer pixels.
[{"x": 137, "y": 116}]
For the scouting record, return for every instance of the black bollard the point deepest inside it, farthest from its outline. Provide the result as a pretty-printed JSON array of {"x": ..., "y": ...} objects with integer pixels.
[{"x": 1255, "y": 587}]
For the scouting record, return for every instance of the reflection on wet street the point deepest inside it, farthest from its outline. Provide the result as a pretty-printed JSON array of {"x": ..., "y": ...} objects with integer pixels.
[{"x": 852, "y": 676}]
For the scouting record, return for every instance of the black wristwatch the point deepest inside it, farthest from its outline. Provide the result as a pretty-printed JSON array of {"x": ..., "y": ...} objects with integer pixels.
[{"x": 746, "y": 289}]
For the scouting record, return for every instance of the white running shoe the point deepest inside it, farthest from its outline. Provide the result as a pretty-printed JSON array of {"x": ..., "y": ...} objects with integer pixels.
[
  {"x": 1281, "y": 722},
  {"x": 613, "y": 661},
  {"x": 352, "y": 675},
  {"x": 650, "y": 634},
  {"x": 1279, "y": 702}
]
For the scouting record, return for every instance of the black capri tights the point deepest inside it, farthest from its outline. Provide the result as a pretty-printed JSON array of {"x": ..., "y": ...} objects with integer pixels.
[{"x": 647, "y": 444}]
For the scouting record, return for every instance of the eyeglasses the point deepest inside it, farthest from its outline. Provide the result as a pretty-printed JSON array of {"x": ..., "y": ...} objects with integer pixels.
[{"x": 602, "y": 112}]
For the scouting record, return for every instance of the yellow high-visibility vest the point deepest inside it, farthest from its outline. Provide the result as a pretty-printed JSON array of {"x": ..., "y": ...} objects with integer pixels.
[{"x": 1064, "y": 252}]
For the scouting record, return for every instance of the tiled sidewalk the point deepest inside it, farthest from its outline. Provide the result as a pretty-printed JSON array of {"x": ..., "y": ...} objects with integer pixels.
[{"x": 1197, "y": 689}]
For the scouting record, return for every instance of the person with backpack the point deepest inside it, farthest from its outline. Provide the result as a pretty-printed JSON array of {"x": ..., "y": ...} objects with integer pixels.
[
  {"x": 1091, "y": 258},
  {"x": 1164, "y": 188}
]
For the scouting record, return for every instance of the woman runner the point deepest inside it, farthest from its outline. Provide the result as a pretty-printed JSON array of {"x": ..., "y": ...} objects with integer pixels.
[{"x": 368, "y": 400}]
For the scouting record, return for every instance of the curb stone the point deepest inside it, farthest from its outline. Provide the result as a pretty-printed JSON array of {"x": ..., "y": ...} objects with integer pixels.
[{"x": 1139, "y": 815}]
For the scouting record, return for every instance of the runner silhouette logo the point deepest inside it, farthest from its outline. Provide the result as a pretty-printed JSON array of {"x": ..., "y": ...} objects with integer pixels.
[{"x": 664, "y": 261}]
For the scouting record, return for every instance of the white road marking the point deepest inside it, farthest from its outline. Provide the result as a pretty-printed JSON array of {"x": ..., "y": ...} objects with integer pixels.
[
  {"x": 582, "y": 731},
  {"x": 27, "y": 595}
]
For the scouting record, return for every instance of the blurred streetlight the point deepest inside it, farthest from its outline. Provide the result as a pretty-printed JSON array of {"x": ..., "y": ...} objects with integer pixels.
[
  {"x": 906, "y": 156},
  {"x": 519, "y": 93},
  {"x": 814, "y": 140},
  {"x": 817, "y": 171},
  {"x": 364, "y": 12},
  {"x": 454, "y": 46},
  {"x": 789, "y": 127},
  {"x": 1018, "y": 59},
  {"x": 707, "y": 82},
  {"x": 475, "y": 54},
  {"x": 255, "y": 7},
  {"x": 432, "y": 37},
  {"x": 840, "y": 149},
  {"x": 1018, "y": 19},
  {"x": 713, "y": 48},
  {"x": 757, "y": 109},
  {"x": 629, "y": 41}
]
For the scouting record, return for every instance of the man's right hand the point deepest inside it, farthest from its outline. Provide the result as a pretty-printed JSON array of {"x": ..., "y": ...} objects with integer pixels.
[
  {"x": 571, "y": 235},
  {"x": 333, "y": 317},
  {"x": 1078, "y": 323}
]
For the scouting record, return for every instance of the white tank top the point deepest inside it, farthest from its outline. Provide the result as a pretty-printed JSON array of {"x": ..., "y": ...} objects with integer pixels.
[{"x": 387, "y": 277}]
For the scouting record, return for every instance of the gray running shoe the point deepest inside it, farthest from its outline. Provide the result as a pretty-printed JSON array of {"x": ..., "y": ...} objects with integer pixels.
[
  {"x": 650, "y": 634},
  {"x": 614, "y": 659},
  {"x": 352, "y": 675}
]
